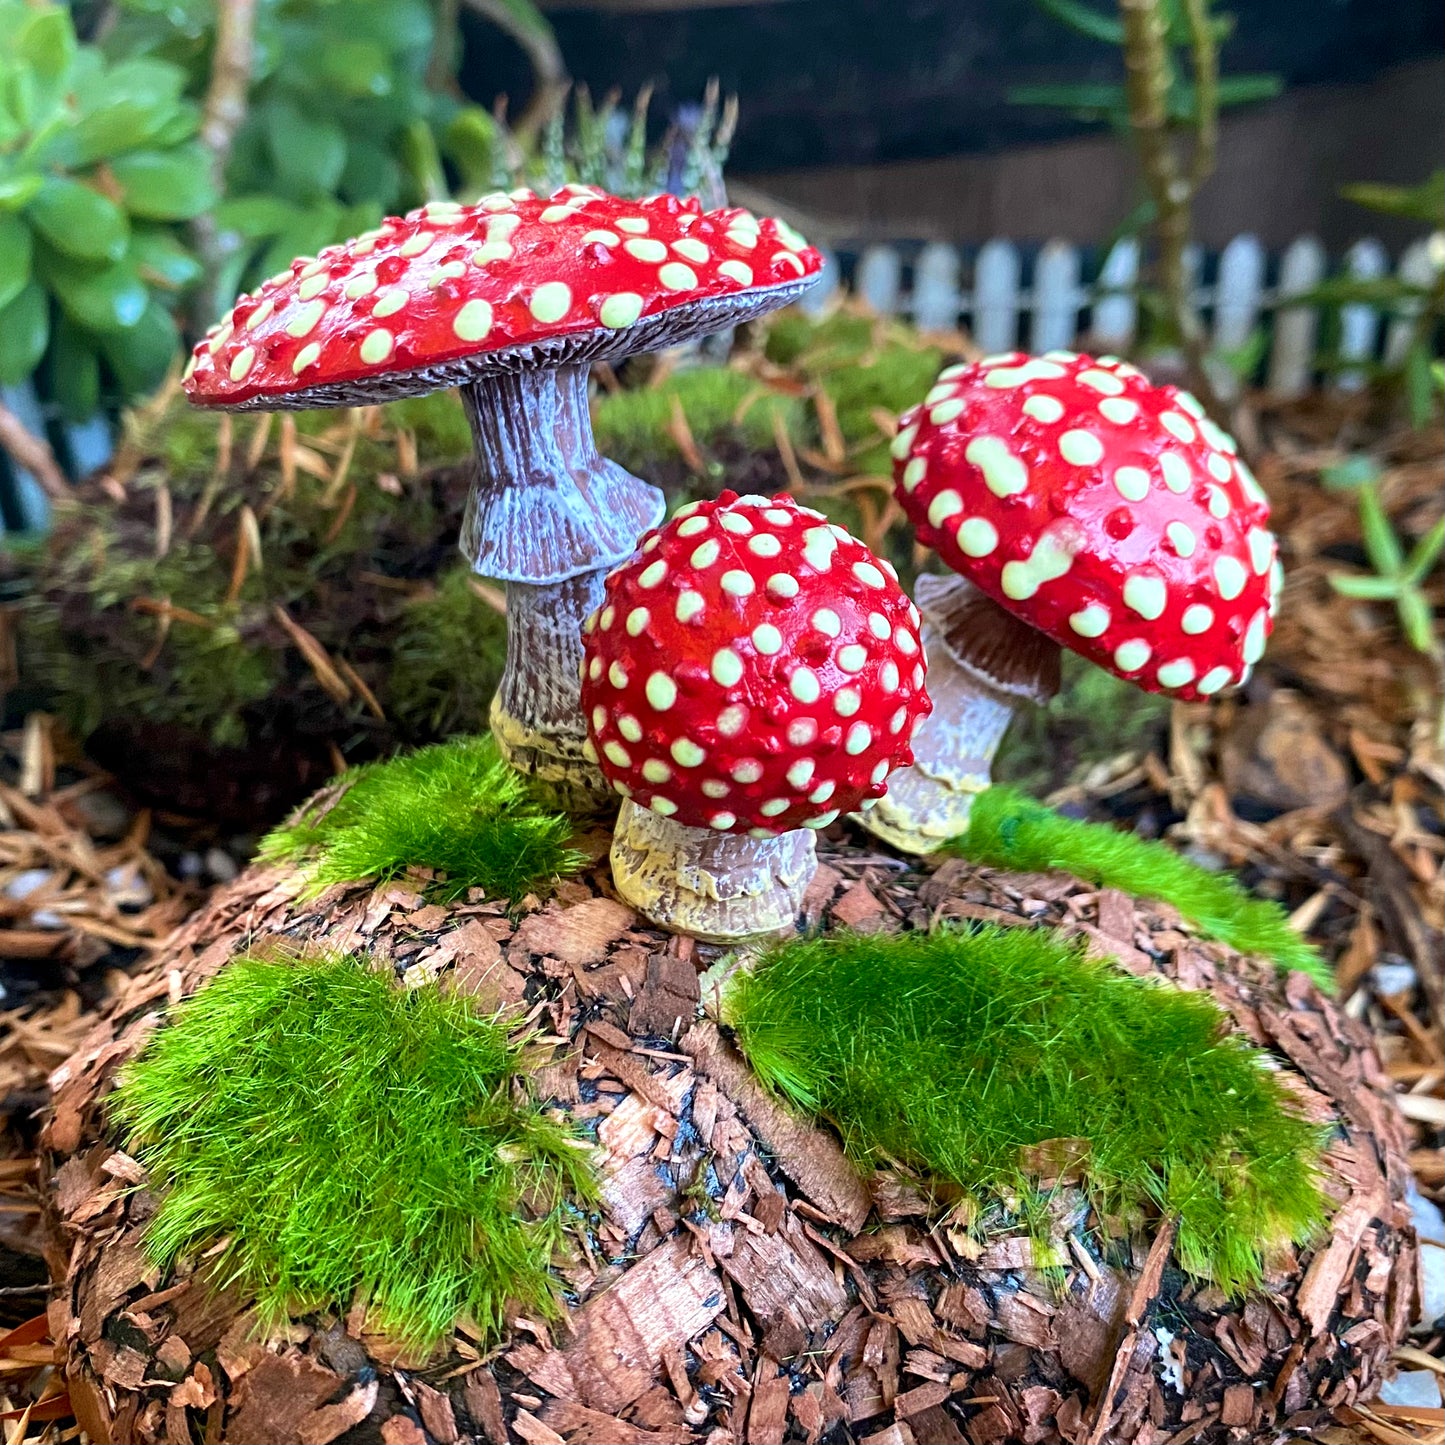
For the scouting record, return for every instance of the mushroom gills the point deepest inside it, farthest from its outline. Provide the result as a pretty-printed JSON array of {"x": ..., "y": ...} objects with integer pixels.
[
  {"x": 982, "y": 663},
  {"x": 719, "y": 887}
]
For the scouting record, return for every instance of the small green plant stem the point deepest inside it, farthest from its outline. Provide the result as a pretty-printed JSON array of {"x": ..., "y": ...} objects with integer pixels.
[{"x": 1171, "y": 186}]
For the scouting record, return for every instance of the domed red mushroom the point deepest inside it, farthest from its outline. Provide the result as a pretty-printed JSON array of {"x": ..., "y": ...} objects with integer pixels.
[
  {"x": 511, "y": 300},
  {"x": 1081, "y": 507},
  {"x": 752, "y": 673}
]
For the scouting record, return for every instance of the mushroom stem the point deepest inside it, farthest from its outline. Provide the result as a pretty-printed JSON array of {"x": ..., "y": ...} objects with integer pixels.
[
  {"x": 982, "y": 664},
  {"x": 720, "y": 887},
  {"x": 548, "y": 516}
]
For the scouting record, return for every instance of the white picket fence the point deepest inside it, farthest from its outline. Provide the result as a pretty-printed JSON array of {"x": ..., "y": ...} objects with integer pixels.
[{"x": 987, "y": 291}]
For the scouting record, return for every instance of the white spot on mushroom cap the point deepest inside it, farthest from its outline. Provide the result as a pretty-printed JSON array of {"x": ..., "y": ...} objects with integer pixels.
[
  {"x": 652, "y": 574},
  {"x": 726, "y": 668},
  {"x": 1177, "y": 474},
  {"x": 782, "y": 585},
  {"x": 686, "y": 753},
  {"x": 722, "y": 821},
  {"x": 737, "y": 583},
  {"x": 734, "y": 522},
  {"x": 304, "y": 319},
  {"x": 1261, "y": 549},
  {"x": 616, "y": 754},
  {"x": 749, "y": 770},
  {"x": 764, "y": 545},
  {"x": 491, "y": 251},
  {"x": 1213, "y": 680},
  {"x": 1092, "y": 620},
  {"x": 473, "y": 321},
  {"x": 1218, "y": 502},
  {"x": 853, "y": 657},
  {"x": 822, "y": 820},
  {"x": 738, "y": 271},
  {"x": 259, "y": 316},
  {"x": 977, "y": 537},
  {"x": 827, "y": 622},
  {"x": 939, "y": 393},
  {"x": 693, "y": 526},
  {"x": 946, "y": 411},
  {"x": 376, "y": 346},
  {"x": 732, "y": 720},
  {"x": 1179, "y": 425},
  {"x": 663, "y": 806},
  {"x": 1229, "y": 577},
  {"x": 619, "y": 310},
  {"x": 676, "y": 276},
  {"x": 898, "y": 448},
  {"x": 914, "y": 473},
  {"x": 1004, "y": 474},
  {"x": 1181, "y": 538},
  {"x": 1131, "y": 656},
  {"x": 879, "y": 626},
  {"x": 654, "y": 770},
  {"x": 804, "y": 685},
  {"x": 661, "y": 691},
  {"x": 869, "y": 575},
  {"x": 888, "y": 676},
  {"x": 1220, "y": 467},
  {"x": 309, "y": 355},
  {"x": 1031, "y": 370},
  {"x": 689, "y": 604},
  {"x": 1080, "y": 448},
  {"x": 242, "y": 362},
  {"x": 601, "y": 238},
  {"x": 705, "y": 555},
  {"x": 635, "y": 225},
  {"x": 1177, "y": 673},
  {"x": 1101, "y": 380},
  {"x": 1198, "y": 617},
  {"x": 1131, "y": 483},
  {"x": 715, "y": 788},
  {"x": 550, "y": 302},
  {"x": 637, "y": 621},
  {"x": 859, "y": 739},
  {"x": 313, "y": 286},
  {"x": 607, "y": 617},
  {"x": 767, "y": 639},
  {"x": 617, "y": 675},
  {"x": 823, "y": 791},
  {"x": 1052, "y": 557},
  {"x": 1145, "y": 594},
  {"x": 1120, "y": 410},
  {"x": 1043, "y": 407},
  {"x": 629, "y": 727},
  {"x": 944, "y": 505},
  {"x": 1254, "y": 636},
  {"x": 802, "y": 732},
  {"x": 800, "y": 773},
  {"x": 390, "y": 301}
]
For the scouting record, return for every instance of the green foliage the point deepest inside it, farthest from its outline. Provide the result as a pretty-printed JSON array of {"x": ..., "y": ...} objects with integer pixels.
[
  {"x": 447, "y": 659},
  {"x": 455, "y": 807},
  {"x": 1105, "y": 101},
  {"x": 98, "y": 162},
  {"x": 1415, "y": 371},
  {"x": 1007, "y": 829},
  {"x": 336, "y": 1135},
  {"x": 981, "y": 1055},
  {"x": 1398, "y": 577}
]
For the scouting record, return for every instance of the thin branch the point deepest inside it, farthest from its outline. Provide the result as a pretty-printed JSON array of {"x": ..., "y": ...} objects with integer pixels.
[
  {"x": 1146, "y": 87},
  {"x": 33, "y": 453},
  {"x": 232, "y": 56},
  {"x": 1205, "y": 55},
  {"x": 550, "y": 81}
]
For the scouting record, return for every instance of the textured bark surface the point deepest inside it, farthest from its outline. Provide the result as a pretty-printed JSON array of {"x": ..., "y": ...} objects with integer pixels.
[{"x": 746, "y": 1282}]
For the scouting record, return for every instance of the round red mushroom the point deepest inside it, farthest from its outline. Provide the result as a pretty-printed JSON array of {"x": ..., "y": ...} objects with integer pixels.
[
  {"x": 753, "y": 672},
  {"x": 511, "y": 300},
  {"x": 1081, "y": 507}
]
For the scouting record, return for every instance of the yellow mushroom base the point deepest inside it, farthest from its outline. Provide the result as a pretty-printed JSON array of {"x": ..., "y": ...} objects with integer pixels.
[
  {"x": 566, "y": 778},
  {"x": 719, "y": 887}
]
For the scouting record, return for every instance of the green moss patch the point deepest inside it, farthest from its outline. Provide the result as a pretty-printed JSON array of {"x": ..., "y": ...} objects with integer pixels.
[
  {"x": 456, "y": 807},
  {"x": 963, "y": 1052},
  {"x": 341, "y": 1134},
  {"x": 1006, "y": 829}
]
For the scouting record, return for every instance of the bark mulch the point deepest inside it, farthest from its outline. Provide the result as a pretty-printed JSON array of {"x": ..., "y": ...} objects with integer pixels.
[{"x": 745, "y": 1283}]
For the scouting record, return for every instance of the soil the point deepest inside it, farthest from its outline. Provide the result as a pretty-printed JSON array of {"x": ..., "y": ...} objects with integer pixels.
[{"x": 746, "y": 1282}]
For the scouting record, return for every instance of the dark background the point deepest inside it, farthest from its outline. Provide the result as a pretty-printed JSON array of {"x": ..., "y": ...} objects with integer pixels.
[{"x": 858, "y": 82}]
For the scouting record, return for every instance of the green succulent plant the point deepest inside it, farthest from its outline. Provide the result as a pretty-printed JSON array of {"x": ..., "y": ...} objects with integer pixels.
[{"x": 99, "y": 161}]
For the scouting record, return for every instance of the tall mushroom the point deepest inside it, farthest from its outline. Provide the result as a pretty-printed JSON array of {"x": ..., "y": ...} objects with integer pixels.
[
  {"x": 752, "y": 673},
  {"x": 1081, "y": 507},
  {"x": 510, "y": 300}
]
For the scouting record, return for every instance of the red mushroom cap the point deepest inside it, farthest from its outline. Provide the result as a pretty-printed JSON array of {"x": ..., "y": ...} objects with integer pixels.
[
  {"x": 753, "y": 669},
  {"x": 511, "y": 280},
  {"x": 1110, "y": 514}
]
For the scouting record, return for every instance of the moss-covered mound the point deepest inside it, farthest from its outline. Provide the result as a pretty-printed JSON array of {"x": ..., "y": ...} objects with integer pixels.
[
  {"x": 1002, "y": 1060},
  {"x": 1008, "y": 829},
  {"x": 325, "y": 1134},
  {"x": 456, "y": 809},
  {"x": 743, "y": 1277}
]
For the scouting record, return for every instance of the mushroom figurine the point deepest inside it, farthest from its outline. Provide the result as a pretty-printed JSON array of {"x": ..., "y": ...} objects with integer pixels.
[
  {"x": 752, "y": 673},
  {"x": 1078, "y": 506},
  {"x": 510, "y": 300}
]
